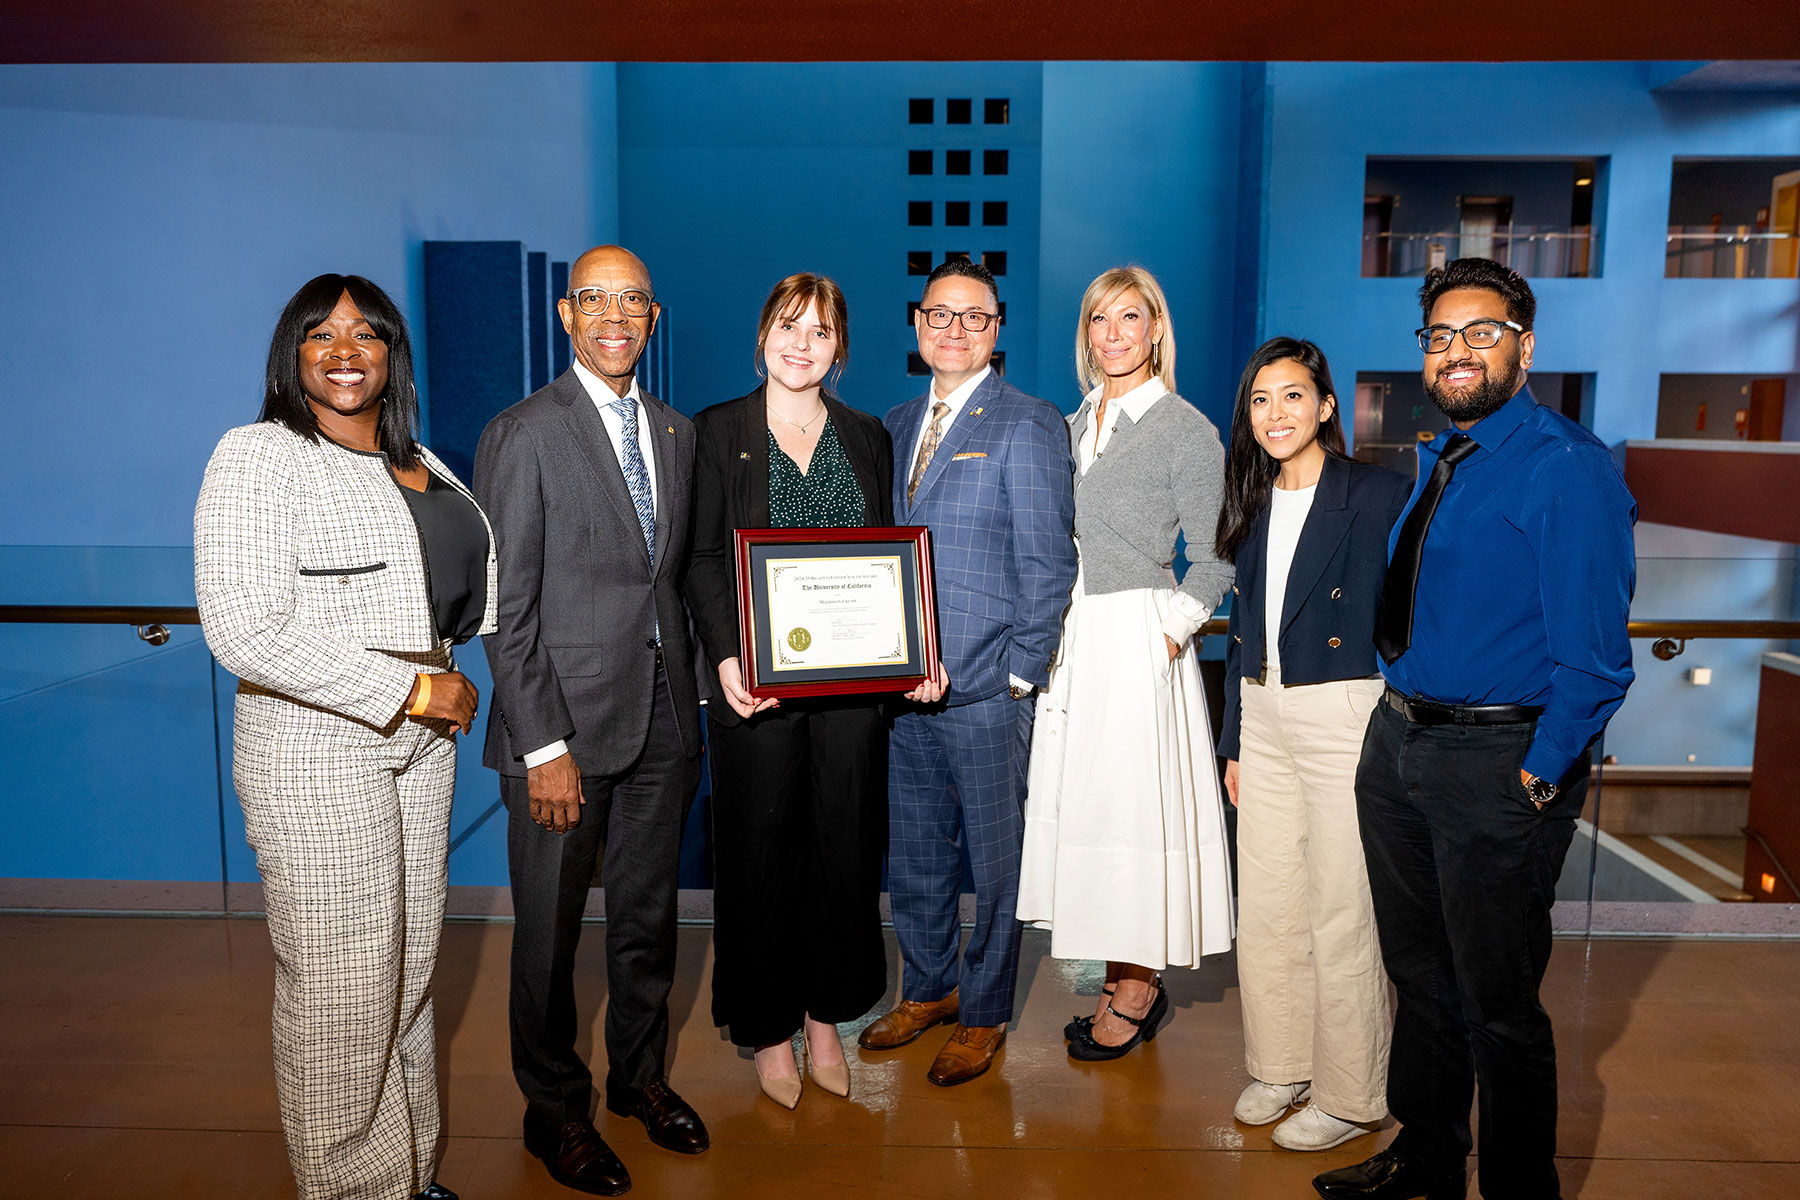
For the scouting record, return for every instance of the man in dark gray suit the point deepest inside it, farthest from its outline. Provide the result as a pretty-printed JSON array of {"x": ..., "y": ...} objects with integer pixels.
[{"x": 595, "y": 727}]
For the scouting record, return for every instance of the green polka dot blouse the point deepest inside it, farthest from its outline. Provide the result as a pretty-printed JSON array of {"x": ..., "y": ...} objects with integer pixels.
[{"x": 825, "y": 494}]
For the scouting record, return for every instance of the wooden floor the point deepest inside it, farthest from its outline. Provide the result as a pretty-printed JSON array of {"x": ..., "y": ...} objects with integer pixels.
[{"x": 134, "y": 1061}]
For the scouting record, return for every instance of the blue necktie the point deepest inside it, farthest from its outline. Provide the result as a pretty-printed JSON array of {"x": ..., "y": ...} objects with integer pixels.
[{"x": 637, "y": 478}]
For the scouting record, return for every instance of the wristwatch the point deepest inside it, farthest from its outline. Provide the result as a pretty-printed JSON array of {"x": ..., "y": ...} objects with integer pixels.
[{"x": 1541, "y": 791}]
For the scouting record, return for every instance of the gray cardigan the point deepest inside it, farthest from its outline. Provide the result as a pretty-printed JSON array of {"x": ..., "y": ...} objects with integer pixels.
[{"x": 1157, "y": 475}]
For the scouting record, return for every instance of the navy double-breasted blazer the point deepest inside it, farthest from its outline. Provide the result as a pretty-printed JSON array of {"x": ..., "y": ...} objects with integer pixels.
[{"x": 1328, "y": 615}]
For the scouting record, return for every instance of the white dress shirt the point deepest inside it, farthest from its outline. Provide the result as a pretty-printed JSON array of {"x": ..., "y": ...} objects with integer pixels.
[
  {"x": 1186, "y": 614},
  {"x": 1287, "y": 517},
  {"x": 957, "y": 399},
  {"x": 603, "y": 398}
]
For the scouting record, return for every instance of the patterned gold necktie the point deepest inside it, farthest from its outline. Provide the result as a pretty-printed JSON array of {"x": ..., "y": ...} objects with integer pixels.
[{"x": 928, "y": 447}]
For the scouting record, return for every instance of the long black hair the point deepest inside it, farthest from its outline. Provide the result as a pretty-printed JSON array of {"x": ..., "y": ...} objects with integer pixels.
[
  {"x": 1249, "y": 470},
  {"x": 284, "y": 400}
]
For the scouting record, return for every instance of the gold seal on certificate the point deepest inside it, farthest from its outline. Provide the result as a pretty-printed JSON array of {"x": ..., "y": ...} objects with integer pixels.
[{"x": 834, "y": 611}]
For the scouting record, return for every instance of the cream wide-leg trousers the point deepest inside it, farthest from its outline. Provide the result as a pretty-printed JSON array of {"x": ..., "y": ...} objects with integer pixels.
[
  {"x": 351, "y": 829},
  {"x": 1309, "y": 963}
]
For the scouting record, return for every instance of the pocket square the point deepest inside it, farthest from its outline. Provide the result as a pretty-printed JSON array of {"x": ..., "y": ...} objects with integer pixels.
[{"x": 969, "y": 454}]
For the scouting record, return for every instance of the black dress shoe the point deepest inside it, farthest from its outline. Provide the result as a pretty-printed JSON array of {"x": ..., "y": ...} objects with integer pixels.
[
  {"x": 1387, "y": 1176},
  {"x": 671, "y": 1122},
  {"x": 578, "y": 1157},
  {"x": 435, "y": 1191},
  {"x": 1084, "y": 1048}
]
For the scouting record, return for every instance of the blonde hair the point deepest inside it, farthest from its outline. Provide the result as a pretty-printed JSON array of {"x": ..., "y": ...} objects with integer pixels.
[{"x": 1106, "y": 286}]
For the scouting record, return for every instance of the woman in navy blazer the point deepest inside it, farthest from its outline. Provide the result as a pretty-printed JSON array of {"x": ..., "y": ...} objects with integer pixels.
[{"x": 1307, "y": 529}]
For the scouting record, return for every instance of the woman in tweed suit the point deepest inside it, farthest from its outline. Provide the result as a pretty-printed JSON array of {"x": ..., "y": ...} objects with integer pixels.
[
  {"x": 1124, "y": 854},
  {"x": 336, "y": 561}
]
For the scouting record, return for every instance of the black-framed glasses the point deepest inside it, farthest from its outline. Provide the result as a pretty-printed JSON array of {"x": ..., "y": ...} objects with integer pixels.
[
  {"x": 1476, "y": 335},
  {"x": 595, "y": 301},
  {"x": 973, "y": 319}
]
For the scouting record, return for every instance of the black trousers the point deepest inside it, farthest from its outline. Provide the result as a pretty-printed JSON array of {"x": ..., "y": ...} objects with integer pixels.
[
  {"x": 800, "y": 824},
  {"x": 638, "y": 815},
  {"x": 1463, "y": 870}
]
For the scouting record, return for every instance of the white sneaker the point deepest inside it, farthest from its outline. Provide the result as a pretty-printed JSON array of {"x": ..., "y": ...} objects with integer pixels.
[
  {"x": 1265, "y": 1102},
  {"x": 1312, "y": 1128}
]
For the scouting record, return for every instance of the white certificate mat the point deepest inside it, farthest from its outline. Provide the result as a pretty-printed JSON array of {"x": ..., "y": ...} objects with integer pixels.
[{"x": 836, "y": 612}]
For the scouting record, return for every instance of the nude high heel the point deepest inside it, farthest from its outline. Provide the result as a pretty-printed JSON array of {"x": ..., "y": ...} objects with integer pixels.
[
  {"x": 835, "y": 1080},
  {"x": 783, "y": 1090}
]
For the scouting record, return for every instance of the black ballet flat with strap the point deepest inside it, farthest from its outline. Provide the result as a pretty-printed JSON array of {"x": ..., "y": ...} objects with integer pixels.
[{"x": 1085, "y": 1049}]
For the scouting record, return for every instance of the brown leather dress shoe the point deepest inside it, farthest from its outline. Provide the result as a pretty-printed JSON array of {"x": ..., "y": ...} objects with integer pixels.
[
  {"x": 908, "y": 1021},
  {"x": 969, "y": 1052},
  {"x": 577, "y": 1156},
  {"x": 672, "y": 1122}
]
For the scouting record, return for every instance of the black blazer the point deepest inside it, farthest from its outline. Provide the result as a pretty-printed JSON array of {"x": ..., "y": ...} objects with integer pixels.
[
  {"x": 580, "y": 603},
  {"x": 731, "y": 491},
  {"x": 1333, "y": 588}
]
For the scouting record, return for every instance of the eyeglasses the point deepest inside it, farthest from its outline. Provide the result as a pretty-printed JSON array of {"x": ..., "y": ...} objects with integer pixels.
[
  {"x": 1476, "y": 335},
  {"x": 973, "y": 319},
  {"x": 594, "y": 301}
]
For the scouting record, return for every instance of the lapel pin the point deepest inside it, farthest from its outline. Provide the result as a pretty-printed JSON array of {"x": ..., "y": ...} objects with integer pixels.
[
  {"x": 744, "y": 454},
  {"x": 977, "y": 412},
  {"x": 671, "y": 429}
]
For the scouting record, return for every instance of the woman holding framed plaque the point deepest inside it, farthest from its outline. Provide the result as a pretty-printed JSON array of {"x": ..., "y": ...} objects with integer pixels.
[
  {"x": 1125, "y": 855},
  {"x": 799, "y": 804}
]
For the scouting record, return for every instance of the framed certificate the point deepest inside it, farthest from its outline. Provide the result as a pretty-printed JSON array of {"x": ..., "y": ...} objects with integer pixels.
[{"x": 835, "y": 611}]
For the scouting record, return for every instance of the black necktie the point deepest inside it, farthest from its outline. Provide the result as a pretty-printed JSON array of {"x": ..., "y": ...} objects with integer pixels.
[{"x": 1394, "y": 619}]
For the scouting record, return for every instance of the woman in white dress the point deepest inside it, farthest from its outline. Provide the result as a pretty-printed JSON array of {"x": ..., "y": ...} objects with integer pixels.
[{"x": 1125, "y": 856}]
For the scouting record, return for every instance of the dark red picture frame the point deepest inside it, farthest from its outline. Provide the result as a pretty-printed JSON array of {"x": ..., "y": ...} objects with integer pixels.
[{"x": 922, "y": 618}]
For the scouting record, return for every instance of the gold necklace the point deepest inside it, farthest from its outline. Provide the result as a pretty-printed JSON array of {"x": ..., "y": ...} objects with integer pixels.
[{"x": 796, "y": 424}]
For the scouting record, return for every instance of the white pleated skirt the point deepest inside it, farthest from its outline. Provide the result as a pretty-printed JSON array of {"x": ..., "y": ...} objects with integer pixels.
[{"x": 1125, "y": 855}]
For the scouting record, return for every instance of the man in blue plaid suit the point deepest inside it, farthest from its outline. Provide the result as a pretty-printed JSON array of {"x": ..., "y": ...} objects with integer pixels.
[{"x": 988, "y": 469}]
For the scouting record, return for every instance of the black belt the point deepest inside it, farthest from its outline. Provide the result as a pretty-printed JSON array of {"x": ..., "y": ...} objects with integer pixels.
[{"x": 1429, "y": 712}]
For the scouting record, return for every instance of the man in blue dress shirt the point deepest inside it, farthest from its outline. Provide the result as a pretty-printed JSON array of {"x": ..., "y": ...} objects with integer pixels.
[{"x": 1503, "y": 636}]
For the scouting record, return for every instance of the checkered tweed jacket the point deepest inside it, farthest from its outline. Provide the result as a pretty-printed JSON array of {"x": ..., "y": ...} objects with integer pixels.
[
  {"x": 307, "y": 563},
  {"x": 999, "y": 500}
]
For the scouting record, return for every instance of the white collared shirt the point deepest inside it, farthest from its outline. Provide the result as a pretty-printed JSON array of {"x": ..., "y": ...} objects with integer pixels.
[
  {"x": 1186, "y": 614},
  {"x": 1133, "y": 404},
  {"x": 956, "y": 400},
  {"x": 603, "y": 398}
]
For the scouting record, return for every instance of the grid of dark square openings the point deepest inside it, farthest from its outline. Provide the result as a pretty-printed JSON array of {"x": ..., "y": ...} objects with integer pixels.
[
  {"x": 922, "y": 110},
  {"x": 995, "y": 110}
]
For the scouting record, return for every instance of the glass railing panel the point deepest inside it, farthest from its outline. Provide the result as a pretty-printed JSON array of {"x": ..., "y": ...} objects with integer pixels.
[
  {"x": 1535, "y": 251},
  {"x": 1662, "y": 845},
  {"x": 112, "y": 795},
  {"x": 1730, "y": 252}
]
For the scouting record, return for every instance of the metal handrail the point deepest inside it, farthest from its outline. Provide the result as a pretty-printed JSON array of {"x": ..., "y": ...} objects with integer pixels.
[{"x": 1670, "y": 636}]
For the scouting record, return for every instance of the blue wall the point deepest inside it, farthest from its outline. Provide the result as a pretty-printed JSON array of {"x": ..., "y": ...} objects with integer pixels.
[
  {"x": 153, "y": 220},
  {"x": 733, "y": 176}
]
